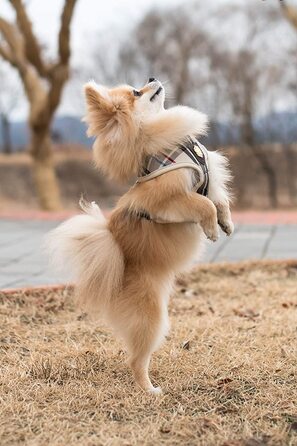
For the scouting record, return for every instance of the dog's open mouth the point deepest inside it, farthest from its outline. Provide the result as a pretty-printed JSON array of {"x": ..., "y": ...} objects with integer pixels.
[{"x": 156, "y": 93}]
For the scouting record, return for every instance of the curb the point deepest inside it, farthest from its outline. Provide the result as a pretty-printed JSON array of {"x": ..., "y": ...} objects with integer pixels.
[
  {"x": 265, "y": 217},
  {"x": 240, "y": 217}
]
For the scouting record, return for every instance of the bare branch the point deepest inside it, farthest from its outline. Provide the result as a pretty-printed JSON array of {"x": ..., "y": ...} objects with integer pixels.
[
  {"x": 6, "y": 55},
  {"x": 59, "y": 73},
  {"x": 58, "y": 78},
  {"x": 14, "y": 41},
  {"x": 16, "y": 56},
  {"x": 290, "y": 12},
  {"x": 33, "y": 50},
  {"x": 64, "y": 34}
]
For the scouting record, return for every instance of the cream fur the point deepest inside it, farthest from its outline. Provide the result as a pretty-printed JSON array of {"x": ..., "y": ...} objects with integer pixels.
[{"x": 125, "y": 267}]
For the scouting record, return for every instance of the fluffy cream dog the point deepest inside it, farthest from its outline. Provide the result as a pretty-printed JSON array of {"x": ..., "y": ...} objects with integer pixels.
[{"x": 125, "y": 267}]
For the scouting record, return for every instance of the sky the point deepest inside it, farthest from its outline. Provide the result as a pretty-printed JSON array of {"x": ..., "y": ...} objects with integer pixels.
[{"x": 91, "y": 19}]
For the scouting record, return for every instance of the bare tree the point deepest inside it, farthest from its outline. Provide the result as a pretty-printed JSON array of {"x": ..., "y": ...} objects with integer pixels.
[
  {"x": 246, "y": 74},
  {"x": 43, "y": 84},
  {"x": 290, "y": 12}
]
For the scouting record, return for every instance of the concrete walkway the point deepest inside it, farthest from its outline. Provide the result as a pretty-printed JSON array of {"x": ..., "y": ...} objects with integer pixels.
[{"x": 22, "y": 262}]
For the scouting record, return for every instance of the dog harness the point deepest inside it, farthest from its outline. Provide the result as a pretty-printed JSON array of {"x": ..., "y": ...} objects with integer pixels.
[{"x": 191, "y": 154}]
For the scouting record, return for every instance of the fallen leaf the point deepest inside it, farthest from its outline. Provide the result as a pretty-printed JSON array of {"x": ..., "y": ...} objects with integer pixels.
[
  {"x": 248, "y": 313},
  {"x": 289, "y": 304},
  {"x": 186, "y": 345},
  {"x": 223, "y": 381},
  {"x": 165, "y": 429}
]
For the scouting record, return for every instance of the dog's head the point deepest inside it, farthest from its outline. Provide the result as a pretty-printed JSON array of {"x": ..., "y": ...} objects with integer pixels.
[
  {"x": 149, "y": 99},
  {"x": 113, "y": 112},
  {"x": 115, "y": 117}
]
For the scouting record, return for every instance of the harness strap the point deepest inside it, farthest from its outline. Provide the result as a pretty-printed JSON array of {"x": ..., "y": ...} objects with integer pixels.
[
  {"x": 159, "y": 172},
  {"x": 143, "y": 214},
  {"x": 190, "y": 154}
]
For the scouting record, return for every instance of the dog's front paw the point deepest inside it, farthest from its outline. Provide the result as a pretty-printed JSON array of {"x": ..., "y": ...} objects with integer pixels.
[
  {"x": 211, "y": 230},
  {"x": 227, "y": 226},
  {"x": 209, "y": 222},
  {"x": 212, "y": 233},
  {"x": 155, "y": 390}
]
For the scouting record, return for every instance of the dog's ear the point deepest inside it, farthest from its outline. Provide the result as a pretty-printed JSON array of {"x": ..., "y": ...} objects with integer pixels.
[
  {"x": 100, "y": 109},
  {"x": 107, "y": 115},
  {"x": 97, "y": 98}
]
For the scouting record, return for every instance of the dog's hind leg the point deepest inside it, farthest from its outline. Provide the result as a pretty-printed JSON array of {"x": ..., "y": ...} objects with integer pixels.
[
  {"x": 146, "y": 331},
  {"x": 139, "y": 363},
  {"x": 142, "y": 323}
]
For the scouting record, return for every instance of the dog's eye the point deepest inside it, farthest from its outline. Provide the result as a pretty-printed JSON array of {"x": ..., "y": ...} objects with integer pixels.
[{"x": 137, "y": 93}]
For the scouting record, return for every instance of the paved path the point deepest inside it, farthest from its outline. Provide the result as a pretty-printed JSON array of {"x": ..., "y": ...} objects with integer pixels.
[{"x": 22, "y": 262}]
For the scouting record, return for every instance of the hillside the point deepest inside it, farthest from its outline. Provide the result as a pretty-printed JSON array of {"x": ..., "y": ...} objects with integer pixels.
[{"x": 275, "y": 127}]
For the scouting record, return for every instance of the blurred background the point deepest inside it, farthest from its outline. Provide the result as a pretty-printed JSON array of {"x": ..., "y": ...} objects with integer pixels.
[{"x": 235, "y": 60}]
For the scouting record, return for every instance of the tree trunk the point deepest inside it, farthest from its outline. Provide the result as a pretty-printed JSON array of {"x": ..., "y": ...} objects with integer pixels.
[
  {"x": 183, "y": 78},
  {"x": 7, "y": 147},
  {"x": 44, "y": 175},
  {"x": 269, "y": 172},
  {"x": 291, "y": 173},
  {"x": 249, "y": 139}
]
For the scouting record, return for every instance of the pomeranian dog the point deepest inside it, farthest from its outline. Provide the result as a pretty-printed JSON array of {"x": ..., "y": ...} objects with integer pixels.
[{"x": 125, "y": 267}]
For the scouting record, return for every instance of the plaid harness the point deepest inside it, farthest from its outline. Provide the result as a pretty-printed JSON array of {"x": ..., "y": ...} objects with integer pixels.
[{"x": 190, "y": 154}]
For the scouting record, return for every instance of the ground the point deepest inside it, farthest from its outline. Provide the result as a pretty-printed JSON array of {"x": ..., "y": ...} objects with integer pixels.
[{"x": 227, "y": 369}]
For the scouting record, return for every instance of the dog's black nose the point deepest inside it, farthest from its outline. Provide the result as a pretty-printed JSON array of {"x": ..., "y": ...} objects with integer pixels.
[{"x": 152, "y": 79}]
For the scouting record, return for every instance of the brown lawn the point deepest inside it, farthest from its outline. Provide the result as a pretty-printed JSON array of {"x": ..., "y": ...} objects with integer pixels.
[{"x": 228, "y": 368}]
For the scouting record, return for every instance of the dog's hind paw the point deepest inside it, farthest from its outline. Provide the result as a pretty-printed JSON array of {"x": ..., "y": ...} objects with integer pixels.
[
  {"x": 155, "y": 390},
  {"x": 227, "y": 226}
]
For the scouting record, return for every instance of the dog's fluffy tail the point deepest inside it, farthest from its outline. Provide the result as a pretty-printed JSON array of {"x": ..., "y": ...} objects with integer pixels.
[{"x": 84, "y": 246}]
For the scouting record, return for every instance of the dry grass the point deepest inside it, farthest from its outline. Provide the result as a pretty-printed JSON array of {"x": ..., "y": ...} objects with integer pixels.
[{"x": 228, "y": 369}]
